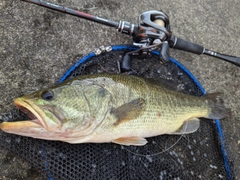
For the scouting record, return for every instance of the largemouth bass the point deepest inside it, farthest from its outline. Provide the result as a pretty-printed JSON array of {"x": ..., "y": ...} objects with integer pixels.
[{"x": 114, "y": 108}]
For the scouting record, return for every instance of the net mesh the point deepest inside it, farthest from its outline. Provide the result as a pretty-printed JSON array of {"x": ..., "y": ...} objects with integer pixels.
[{"x": 192, "y": 156}]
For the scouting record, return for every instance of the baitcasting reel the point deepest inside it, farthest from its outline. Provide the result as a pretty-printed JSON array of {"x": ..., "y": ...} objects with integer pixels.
[{"x": 152, "y": 32}]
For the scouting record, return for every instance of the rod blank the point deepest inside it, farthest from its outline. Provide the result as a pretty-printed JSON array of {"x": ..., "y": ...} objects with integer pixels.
[
  {"x": 232, "y": 59},
  {"x": 74, "y": 12}
]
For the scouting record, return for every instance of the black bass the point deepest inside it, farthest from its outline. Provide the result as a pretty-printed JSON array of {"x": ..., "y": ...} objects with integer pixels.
[{"x": 114, "y": 108}]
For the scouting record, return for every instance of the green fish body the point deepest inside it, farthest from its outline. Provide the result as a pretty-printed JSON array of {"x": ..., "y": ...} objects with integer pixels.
[{"x": 112, "y": 108}]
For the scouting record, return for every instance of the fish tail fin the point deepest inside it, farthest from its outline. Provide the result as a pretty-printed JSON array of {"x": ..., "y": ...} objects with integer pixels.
[{"x": 217, "y": 108}]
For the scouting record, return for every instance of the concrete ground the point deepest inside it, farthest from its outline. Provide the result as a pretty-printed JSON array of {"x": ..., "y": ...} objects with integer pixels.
[{"x": 38, "y": 45}]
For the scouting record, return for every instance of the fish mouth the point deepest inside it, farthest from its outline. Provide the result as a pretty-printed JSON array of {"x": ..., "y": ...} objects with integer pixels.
[{"x": 34, "y": 124}]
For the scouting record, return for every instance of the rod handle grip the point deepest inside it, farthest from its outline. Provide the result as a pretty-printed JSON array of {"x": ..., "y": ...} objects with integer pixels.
[{"x": 181, "y": 44}]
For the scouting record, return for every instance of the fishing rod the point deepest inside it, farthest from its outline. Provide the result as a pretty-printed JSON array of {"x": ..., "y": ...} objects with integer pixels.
[{"x": 152, "y": 32}]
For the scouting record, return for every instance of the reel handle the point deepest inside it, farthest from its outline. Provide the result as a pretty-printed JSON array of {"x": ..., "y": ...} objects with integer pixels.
[{"x": 164, "y": 56}]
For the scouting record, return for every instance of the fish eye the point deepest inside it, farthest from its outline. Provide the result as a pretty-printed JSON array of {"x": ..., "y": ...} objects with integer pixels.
[{"x": 47, "y": 95}]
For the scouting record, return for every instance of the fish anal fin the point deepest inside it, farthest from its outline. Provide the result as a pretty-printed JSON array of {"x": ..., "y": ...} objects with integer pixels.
[
  {"x": 127, "y": 141},
  {"x": 188, "y": 127},
  {"x": 128, "y": 111}
]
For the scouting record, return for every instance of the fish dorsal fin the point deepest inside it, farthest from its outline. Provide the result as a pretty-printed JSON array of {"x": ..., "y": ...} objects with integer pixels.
[
  {"x": 129, "y": 111},
  {"x": 127, "y": 141},
  {"x": 169, "y": 84},
  {"x": 188, "y": 126}
]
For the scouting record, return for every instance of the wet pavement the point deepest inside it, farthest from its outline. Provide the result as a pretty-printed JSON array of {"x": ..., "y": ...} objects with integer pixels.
[{"x": 38, "y": 45}]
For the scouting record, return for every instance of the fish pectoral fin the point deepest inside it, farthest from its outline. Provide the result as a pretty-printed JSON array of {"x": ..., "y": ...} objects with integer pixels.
[
  {"x": 128, "y": 111},
  {"x": 188, "y": 126},
  {"x": 127, "y": 141}
]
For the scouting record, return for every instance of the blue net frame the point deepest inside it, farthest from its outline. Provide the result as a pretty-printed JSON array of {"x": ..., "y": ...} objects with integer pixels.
[{"x": 132, "y": 48}]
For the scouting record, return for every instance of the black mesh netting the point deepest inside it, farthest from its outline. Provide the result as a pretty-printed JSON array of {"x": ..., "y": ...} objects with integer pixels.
[{"x": 192, "y": 156}]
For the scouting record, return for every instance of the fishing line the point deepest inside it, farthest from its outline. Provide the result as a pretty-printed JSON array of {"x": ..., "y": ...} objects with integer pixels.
[
  {"x": 148, "y": 170},
  {"x": 155, "y": 154}
]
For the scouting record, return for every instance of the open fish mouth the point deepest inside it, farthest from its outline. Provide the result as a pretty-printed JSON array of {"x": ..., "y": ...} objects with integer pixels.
[{"x": 25, "y": 127}]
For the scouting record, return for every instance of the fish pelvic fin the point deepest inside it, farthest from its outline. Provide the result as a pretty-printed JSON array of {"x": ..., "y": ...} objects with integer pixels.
[
  {"x": 217, "y": 108},
  {"x": 128, "y": 111},
  {"x": 127, "y": 141},
  {"x": 188, "y": 127}
]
